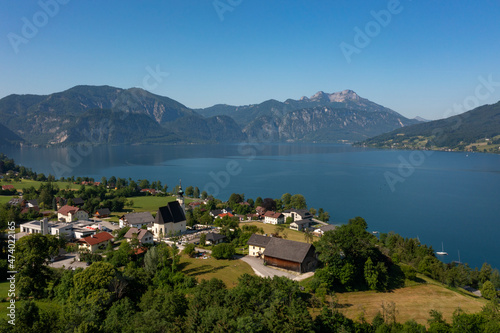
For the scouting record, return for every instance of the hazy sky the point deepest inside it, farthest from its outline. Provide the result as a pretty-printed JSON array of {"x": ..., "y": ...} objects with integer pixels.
[{"x": 416, "y": 57}]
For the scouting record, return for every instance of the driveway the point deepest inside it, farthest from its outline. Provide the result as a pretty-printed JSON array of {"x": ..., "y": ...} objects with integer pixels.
[
  {"x": 268, "y": 271},
  {"x": 70, "y": 261}
]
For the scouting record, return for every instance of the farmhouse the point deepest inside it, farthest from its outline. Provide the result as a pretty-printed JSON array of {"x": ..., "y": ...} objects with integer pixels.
[
  {"x": 95, "y": 242},
  {"x": 144, "y": 236},
  {"x": 282, "y": 253},
  {"x": 274, "y": 217},
  {"x": 136, "y": 220},
  {"x": 257, "y": 244}
]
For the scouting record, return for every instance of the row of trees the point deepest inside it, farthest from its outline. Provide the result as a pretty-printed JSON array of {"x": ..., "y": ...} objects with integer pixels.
[{"x": 153, "y": 295}]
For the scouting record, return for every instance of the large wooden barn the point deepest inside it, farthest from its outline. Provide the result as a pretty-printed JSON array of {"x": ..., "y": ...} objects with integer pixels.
[{"x": 294, "y": 256}]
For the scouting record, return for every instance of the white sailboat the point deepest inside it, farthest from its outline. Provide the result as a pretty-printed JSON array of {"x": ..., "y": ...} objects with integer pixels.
[{"x": 442, "y": 253}]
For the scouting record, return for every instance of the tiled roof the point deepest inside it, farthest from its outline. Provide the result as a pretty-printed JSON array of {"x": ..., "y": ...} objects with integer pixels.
[
  {"x": 272, "y": 214},
  {"x": 97, "y": 238},
  {"x": 140, "y": 233},
  {"x": 65, "y": 210}
]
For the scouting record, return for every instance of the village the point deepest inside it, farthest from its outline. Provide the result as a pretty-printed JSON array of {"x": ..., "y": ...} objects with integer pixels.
[{"x": 94, "y": 233}]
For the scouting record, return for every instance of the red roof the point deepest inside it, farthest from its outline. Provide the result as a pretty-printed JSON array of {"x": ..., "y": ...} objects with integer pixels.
[
  {"x": 7, "y": 187},
  {"x": 65, "y": 210},
  {"x": 273, "y": 214},
  {"x": 97, "y": 238},
  {"x": 228, "y": 214}
]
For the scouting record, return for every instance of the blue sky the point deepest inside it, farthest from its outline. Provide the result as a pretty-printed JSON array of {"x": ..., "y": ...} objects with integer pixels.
[{"x": 426, "y": 57}]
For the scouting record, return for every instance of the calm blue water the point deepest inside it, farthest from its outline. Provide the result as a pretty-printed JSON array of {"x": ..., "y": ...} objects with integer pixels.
[{"x": 444, "y": 197}]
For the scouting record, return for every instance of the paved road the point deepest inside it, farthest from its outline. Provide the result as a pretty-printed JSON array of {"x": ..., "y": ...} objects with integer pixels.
[
  {"x": 267, "y": 271},
  {"x": 70, "y": 261}
]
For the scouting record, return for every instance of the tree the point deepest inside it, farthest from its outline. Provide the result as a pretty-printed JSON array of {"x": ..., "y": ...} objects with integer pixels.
[
  {"x": 32, "y": 258},
  {"x": 269, "y": 204},
  {"x": 196, "y": 192},
  {"x": 258, "y": 202},
  {"x": 371, "y": 275},
  {"x": 223, "y": 251},
  {"x": 204, "y": 195},
  {"x": 298, "y": 201},
  {"x": 203, "y": 239},
  {"x": 189, "y": 250},
  {"x": 308, "y": 236},
  {"x": 97, "y": 276},
  {"x": 189, "y": 191},
  {"x": 286, "y": 198},
  {"x": 488, "y": 291}
]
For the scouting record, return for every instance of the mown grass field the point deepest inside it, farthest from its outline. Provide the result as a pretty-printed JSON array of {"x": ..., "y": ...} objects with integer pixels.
[
  {"x": 5, "y": 198},
  {"x": 413, "y": 302},
  {"x": 269, "y": 229},
  {"x": 206, "y": 269},
  {"x": 24, "y": 183}
]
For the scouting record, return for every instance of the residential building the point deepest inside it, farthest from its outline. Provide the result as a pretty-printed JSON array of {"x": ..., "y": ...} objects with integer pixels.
[
  {"x": 95, "y": 242},
  {"x": 213, "y": 238},
  {"x": 143, "y": 235},
  {"x": 257, "y": 244},
  {"x": 321, "y": 230},
  {"x": 297, "y": 214},
  {"x": 136, "y": 220},
  {"x": 274, "y": 217},
  {"x": 301, "y": 224},
  {"x": 71, "y": 213},
  {"x": 103, "y": 212}
]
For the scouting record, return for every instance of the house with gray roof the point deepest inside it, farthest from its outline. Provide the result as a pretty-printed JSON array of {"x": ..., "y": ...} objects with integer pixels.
[
  {"x": 324, "y": 228},
  {"x": 143, "y": 235},
  {"x": 213, "y": 238},
  {"x": 136, "y": 220},
  {"x": 301, "y": 224}
]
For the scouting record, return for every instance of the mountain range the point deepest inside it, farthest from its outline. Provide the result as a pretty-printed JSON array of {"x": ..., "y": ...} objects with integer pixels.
[
  {"x": 109, "y": 115},
  {"x": 478, "y": 129}
]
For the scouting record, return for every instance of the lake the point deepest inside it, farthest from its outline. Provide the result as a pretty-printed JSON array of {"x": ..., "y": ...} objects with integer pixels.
[{"x": 439, "y": 197}]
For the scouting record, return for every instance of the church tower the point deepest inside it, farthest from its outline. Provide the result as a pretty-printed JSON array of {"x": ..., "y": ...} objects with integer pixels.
[{"x": 180, "y": 196}]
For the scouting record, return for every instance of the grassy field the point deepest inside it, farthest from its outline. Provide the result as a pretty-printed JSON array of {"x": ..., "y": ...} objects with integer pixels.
[
  {"x": 411, "y": 303},
  {"x": 205, "y": 269},
  {"x": 5, "y": 198},
  {"x": 27, "y": 183},
  {"x": 269, "y": 229}
]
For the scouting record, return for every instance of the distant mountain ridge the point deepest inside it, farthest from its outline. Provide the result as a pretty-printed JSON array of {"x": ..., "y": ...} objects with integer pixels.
[
  {"x": 110, "y": 115},
  {"x": 478, "y": 129},
  {"x": 106, "y": 115},
  {"x": 337, "y": 117}
]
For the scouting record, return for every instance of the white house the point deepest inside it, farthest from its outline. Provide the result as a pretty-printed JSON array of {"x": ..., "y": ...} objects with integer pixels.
[
  {"x": 70, "y": 213},
  {"x": 274, "y": 217}
]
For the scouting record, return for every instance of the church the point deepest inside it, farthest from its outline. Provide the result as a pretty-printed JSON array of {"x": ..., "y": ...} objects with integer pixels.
[{"x": 170, "y": 220}]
